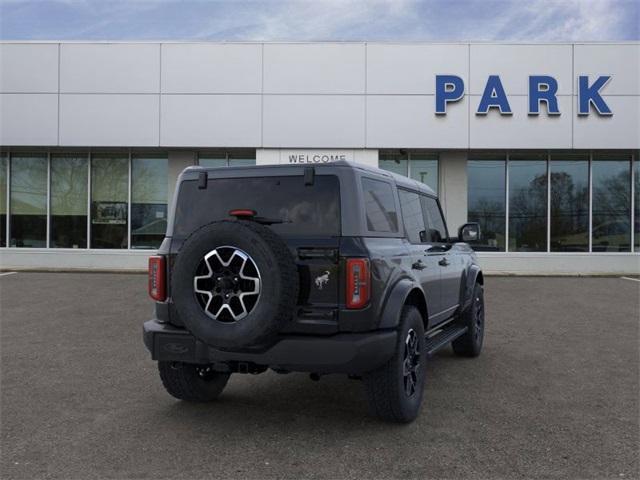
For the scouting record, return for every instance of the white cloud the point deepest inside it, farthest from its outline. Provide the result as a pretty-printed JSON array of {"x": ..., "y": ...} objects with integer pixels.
[
  {"x": 305, "y": 20},
  {"x": 428, "y": 20},
  {"x": 555, "y": 20},
  {"x": 312, "y": 20}
]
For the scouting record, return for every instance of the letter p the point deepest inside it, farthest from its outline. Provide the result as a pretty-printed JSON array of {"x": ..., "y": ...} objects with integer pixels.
[{"x": 449, "y": 88}]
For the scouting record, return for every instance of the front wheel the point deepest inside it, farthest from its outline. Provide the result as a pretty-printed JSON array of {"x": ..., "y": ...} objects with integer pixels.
[
  {"x": 395, "y": 390},
  {"x": 470, "y": 344},
  {"x": 192, "y": 383}
]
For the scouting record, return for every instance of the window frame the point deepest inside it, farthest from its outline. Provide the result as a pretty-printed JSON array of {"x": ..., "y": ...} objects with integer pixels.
[
  {"x": 87, "y": 158},
  {"x": 633, "y": 159},
  {"x": 399, "y": 233},
  {"x": 404, "y": 226},
  {"x": 226, "y": 155},
  {"x": 36, "y": 152},
  {"x": 408, "y": 156},
  {"x": 442, "y": 217},
  {"x": 159, "y": 155}
]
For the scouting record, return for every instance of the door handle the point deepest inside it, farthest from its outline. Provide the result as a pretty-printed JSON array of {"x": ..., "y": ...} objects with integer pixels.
[
  {"x": 444, "y": 262},
  {"x": 418, "y": 265}
]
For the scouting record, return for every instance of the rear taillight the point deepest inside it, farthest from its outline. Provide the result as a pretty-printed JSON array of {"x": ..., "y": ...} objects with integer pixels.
[
  {"x": 157, "y": 284},
  {"x": 358, "y": 282}
]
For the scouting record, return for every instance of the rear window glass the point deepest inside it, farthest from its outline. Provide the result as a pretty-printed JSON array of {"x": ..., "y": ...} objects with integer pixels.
[
  {"x": 304, "y": 209},
  {"x": 379, "y": 205}
]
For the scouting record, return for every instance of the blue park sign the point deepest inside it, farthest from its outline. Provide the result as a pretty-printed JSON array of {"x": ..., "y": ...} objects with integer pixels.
[{"x": 542, "y": 89}]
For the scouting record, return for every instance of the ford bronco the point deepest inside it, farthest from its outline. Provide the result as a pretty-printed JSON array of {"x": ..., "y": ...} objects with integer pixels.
[{"x": 330, "y": 268}]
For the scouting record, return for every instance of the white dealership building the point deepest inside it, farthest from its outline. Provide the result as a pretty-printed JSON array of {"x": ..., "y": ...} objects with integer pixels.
[{"x": 537, "y": 142}]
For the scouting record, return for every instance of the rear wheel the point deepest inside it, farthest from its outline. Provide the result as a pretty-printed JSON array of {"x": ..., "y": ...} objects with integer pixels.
[
  {"x": 192, "y": 383},
  {"x": 395, "y": 390},
  {"x": 470, "y": 344}
]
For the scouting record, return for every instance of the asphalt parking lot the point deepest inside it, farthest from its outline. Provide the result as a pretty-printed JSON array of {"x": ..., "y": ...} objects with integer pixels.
[{"x": 554, "y": 394}]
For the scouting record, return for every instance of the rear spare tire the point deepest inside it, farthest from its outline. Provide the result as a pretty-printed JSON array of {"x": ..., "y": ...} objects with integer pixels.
[{"x": 234, "y": 284}]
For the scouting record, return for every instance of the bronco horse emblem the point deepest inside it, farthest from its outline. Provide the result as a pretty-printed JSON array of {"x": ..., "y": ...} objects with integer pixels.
[{"x": 322, "y": 280}]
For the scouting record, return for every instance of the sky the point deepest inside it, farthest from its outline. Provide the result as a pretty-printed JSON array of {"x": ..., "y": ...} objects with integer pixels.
[{"x": 321, "y": 20}]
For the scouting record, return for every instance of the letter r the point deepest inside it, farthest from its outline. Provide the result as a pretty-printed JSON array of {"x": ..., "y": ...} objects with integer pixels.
[{"x": 536, "y": 95}]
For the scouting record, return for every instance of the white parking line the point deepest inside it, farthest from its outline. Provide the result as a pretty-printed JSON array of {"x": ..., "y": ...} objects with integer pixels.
[
  {"x": 632, "y": 279},
  {"x": 7, "y": 273}
]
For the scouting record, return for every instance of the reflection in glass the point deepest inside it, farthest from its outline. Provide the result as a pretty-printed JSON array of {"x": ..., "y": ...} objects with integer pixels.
[
  {"x": 242, "y": 158},
  {"x": 3, "y": 200},
  {"x": 395, "y": 162},
  {"x": 149, "y": 180},
  {"x": 379, "y": 206},
  {"x": 611, "y": 230},
  {"x": 424, "y": 168},
  {"x": 527, "y": 204},
  {"x": 412, "y": 215},
  {"x": 213, "y": 160},
  {"x": 569, "y": 204},
  {"x": 234, "y": 158},
  {"x": 109, "y": 192},
  {"x": 305, "y": 210},
  {"x": 436, "y": 229},
  {"x": 69, "y": 201},
  {"x": 486, "y": 202},
  {"x": 28, "y": 201},
  {"x": 636, "y": 189}
]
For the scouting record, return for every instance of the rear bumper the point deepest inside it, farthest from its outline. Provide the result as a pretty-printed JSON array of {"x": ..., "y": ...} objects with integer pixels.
[{"x": 352, "y": 353}]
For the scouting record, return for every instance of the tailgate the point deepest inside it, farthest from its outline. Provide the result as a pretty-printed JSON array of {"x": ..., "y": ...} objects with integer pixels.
[{"x": 320, "y": 281}]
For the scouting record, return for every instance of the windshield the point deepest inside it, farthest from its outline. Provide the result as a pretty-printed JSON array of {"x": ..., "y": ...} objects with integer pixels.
[{"x": 304, "y": 210}]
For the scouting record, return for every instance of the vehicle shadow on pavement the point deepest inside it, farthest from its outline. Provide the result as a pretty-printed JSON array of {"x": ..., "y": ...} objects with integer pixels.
[{"x": 339, "y": 402}]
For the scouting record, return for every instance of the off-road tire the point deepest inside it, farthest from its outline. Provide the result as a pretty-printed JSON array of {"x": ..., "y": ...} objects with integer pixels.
[
  {"x": 192, "y": 383},
  {"x": 385, "y": 387},
  {"x": 279, "y": 284},
  {"x": 470, "y": 344}
]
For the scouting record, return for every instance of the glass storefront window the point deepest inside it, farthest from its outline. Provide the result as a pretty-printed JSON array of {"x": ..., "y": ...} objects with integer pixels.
[
  {"x": 569, "y": 203},
  {"x": 395, "y": 162},
  {"x": 611, "y": 184},
  {"x": 213, "y": 160},
  {"x": 149, "y": 193},
  {"x": 528, "y": 203},
  {"x": 4, "y": 162},
  {"x": 242, "y": 158},
  {"x": 235, "y": 158},
  {"x": 69, "y": 179},
  {"x": 424, "y": 168},
  {"x": 109, "y": 194},
  {"x": 636, "y": 189},
  {"x": 28, "y": 208},
  {"x": 486, "y": 201}
]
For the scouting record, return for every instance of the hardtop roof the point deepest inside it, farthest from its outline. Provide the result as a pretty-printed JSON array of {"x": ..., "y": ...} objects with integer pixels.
[{"x": 399, "y": 180}]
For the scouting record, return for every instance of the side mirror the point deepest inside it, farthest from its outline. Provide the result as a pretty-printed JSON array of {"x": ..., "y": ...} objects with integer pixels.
[{"x": 469, "y": 232}]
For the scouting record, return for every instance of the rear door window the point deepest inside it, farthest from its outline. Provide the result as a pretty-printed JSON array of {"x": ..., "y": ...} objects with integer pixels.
[
  {"x": 412, "y": 215},
  {"x": 380, "y": 206},
  {"x": 436, "y": 227},
  {"x": 304, "y": 210}
]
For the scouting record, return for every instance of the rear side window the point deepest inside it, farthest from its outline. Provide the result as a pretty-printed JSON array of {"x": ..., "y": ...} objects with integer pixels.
[
  {"x": 436, "y": 229},
  {"x": 379, "y": 205},
  {"x": 412, "y": 215},
  {"x": 305, "y": 210}
]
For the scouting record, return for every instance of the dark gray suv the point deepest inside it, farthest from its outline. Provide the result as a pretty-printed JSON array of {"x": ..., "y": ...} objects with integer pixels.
[{"x": 330, "y": 268}]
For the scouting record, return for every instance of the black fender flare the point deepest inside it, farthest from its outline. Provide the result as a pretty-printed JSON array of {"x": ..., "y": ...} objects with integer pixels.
[
  {"x": 396, "y": 299},
  {"x": 473, "y": 275}
]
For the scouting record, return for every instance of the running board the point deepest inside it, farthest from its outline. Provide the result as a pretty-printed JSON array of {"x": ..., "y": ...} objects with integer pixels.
[{"x": 443, "y": 338}]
